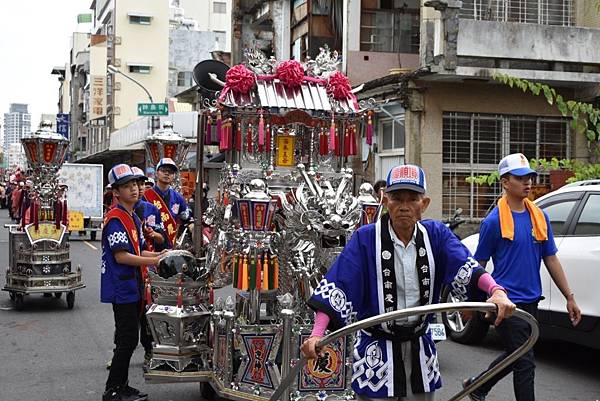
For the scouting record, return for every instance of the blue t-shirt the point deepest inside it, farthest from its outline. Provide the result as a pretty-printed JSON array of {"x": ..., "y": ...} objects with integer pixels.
[
  {"x": 119, "y": 284},
  {"x": 517, "y": 262}
]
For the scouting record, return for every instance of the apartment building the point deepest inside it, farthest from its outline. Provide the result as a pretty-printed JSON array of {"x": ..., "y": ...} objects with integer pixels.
[
  {"x": 461, "y": 122},
  {"x": 17, "y": 123}
]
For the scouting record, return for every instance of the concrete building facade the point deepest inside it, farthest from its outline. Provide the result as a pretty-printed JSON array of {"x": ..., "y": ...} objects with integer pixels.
[
  {"x": 461, "y": 122},
  {"x": 209, "y": 16},
  {"x": 186, "y": 49},
  {"x": 17, "y": 123}
]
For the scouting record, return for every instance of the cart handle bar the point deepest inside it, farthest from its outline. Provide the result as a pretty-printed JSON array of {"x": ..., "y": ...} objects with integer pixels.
[{"x": 424, "y": 310}]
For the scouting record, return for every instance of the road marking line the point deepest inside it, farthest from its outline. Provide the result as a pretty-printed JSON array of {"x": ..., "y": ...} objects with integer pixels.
[{"x": 90, "y": 245}]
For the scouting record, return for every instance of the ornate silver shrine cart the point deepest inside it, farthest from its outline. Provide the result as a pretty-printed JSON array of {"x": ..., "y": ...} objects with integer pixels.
[
  {"x": 284, "y": 210},
  {"x": 39, "y": 260}
]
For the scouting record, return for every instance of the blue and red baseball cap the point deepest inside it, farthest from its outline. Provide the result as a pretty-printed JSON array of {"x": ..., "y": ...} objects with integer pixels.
[
  {"x": 515, "y": 164},
  {"x": 121, "y": 174},
  {"x": 406, "y": 176}
]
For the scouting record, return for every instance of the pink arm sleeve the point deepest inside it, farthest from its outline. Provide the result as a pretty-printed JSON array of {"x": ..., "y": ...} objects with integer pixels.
[
  {"x": 488, "y": 284},
  {"x": 321, "y": 322}
]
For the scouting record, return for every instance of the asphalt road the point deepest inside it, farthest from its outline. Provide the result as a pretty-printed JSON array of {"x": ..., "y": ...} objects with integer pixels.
[{"x": 50, "y": 353}]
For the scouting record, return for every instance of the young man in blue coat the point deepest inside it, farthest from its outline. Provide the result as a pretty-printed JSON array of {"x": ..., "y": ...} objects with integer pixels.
[
  {"x": 399, "y": 262},
  {"x": 170, "y": 203},
  {"x": 517, "y": 236},
  {"x": 121, "y": 279}
]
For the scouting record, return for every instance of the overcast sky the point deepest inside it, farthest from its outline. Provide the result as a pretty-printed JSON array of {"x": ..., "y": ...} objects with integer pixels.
[{"x": 35, "y": 36}]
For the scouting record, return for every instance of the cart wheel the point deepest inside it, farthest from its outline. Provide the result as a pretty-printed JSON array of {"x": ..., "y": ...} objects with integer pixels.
[
  {"x": 11, "y": 295},
  {"x": 19, "y": 301},
  {"x": 93, "y": 235},
  {"x": 57, "y": 295},
  {"x": 70, "y": 299}
]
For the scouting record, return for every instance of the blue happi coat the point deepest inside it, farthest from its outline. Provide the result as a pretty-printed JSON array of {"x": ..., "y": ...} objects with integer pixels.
[{"x": 353, "y": 289}]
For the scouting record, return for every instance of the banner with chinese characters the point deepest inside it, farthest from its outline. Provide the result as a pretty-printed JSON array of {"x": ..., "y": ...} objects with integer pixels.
[
  {"x": 285, "y": 150},
  {"x": 97, "y": 76}
]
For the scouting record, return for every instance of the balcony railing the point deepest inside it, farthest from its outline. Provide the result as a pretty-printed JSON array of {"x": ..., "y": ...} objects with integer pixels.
[{"x": 544, "y": 12}]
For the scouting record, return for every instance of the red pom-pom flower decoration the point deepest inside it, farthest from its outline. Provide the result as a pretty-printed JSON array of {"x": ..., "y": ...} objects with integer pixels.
[
  {"x": 338, "y": 86},
  {"x": 291, "y": 73},
  {"x": 239, "y": 79}
]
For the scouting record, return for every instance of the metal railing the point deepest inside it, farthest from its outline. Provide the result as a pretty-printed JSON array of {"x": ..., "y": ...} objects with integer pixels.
[
  {"x": 544, "y": 12},
  {"x": 422, "y": 310}
]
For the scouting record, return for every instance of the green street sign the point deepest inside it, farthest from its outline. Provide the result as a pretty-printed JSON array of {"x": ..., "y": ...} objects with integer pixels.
[{"x": 153, "y": 109}]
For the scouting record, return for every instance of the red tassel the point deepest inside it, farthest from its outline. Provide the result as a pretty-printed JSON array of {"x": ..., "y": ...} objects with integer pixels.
[
  {"x": 180, "y": 297},
  {"x": 35, "y": 218},
  {"x": 211, "y": 296},
  {"x": 249, "y": 139},
  {"x": 222, "y": 130},
  {"x": 226, "y": 133},
  {"x": 208, "y": 133},
  {"x": 219, "y": 126},
  {"x": 65, "y": 214},
  {"x": 238, "y": 137},
  {"x": 268, "y": 139},
  {"x": 148, "y": 292},
  {"x": 332, "y": 138},
  {"x": 57, "y": 214},
  {"x": 323, "y": 146},
  {"x": 369, "y": 128},
  {"x": 229, "y": 135},
  {"x": 352, "y": 141},
  {"x": 261, "y": 132},
  {"x": 336, "y": 148},
  {"x": 346, "y": 141}
]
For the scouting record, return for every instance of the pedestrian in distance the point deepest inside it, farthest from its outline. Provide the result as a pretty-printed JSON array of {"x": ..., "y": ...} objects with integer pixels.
[
  {"x": 517, "y": 236},
  {"x": 399, "y": 262},
  {"x": 379, "y": 188},
  {"x": 123, "y": 254}
]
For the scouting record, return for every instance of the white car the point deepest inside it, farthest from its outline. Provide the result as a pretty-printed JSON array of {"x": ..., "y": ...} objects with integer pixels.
[{"x": 574, "y": 213}]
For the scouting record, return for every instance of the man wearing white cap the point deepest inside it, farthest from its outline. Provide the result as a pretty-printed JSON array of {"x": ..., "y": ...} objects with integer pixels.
[
  {"x": 170, "y": 203},
  {"x": 517, "y": 236},
  {"x": 398, "y": 262}
]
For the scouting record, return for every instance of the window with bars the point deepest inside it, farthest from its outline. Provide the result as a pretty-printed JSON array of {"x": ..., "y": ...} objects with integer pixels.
[
  {"x": 473, "y": 144},
  {"x": 219, "y": 7},
  {"x": 393, "y": 27},
  {"x": 184, "y": 78},
  {"x": 545, "y": 12}
]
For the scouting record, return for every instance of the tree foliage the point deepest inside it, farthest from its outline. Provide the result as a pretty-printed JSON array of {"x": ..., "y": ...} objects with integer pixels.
[
  {"x": 581, "y": 170},
  {"x": 585, "y": 118}
]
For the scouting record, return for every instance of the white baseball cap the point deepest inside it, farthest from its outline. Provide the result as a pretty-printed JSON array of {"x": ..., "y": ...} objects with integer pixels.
[
  {"x": 515, "y": 164},
  {"x": 166, "y": 161}
]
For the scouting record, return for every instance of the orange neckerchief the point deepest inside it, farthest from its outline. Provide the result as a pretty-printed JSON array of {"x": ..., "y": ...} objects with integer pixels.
[{"x": 507, "y": 225}]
